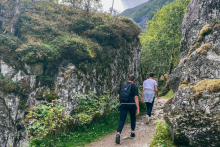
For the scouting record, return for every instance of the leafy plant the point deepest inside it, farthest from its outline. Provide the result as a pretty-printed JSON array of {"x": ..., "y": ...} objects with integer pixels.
[
  {"x": 8, "y": 85},
  {"x": 90, "y": 105},
  {"x": 161, "y": 138},
  {"x": 47, "y": 119},
  {"x": 50, "y": 96}
]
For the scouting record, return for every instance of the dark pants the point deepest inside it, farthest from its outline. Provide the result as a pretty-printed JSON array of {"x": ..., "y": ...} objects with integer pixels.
[
  {"x": 149, "y": 108},
  {"x": 124, "y": 108}
]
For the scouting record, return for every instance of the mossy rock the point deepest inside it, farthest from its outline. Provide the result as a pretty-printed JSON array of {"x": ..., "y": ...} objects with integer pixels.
[
  {"x": 206, "y": 85},
  {"x": 50, "y": 96},
  {"x": 216, "y": 51},
  {"x": 203, "y": 49}
]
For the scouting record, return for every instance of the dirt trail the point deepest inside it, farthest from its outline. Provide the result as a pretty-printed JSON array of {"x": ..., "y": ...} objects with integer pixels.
[{"x": 143, "y": 131}]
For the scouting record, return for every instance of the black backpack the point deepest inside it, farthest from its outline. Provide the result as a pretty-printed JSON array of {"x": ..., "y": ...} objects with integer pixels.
[{"x": 125, "y": 92}]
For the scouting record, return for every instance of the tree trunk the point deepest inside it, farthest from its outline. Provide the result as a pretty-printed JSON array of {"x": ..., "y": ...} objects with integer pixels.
[
  {"x": 112, "y": 7},
  {"x": 17, "y": 13},
  {"x": 166, "y": 89}
]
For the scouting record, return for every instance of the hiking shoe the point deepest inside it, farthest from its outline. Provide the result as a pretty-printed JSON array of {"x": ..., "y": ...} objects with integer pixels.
[
  {"x": 117, "y": 140},
  {"x": 147, "y": 119},
  {"x": 132, "y": 135}
]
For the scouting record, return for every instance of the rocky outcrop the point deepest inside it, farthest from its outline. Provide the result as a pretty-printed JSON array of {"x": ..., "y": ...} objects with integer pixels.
[
  {"x": 68, "y": 80},
  {"x": 142, "y": 21},
  {"x": 194, "y": 112}
]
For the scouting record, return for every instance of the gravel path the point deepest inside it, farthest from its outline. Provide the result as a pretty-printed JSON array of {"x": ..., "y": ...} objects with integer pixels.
[{"x": 143, "y": 131}]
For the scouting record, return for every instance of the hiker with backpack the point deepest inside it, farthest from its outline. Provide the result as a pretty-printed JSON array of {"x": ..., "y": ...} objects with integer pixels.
[
  {"x": 148, "y": 96},
  {"x": 129, "y": 102}
]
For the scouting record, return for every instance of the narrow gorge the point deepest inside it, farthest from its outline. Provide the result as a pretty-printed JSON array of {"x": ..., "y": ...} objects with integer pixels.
[{"x": 58, "y": 52}]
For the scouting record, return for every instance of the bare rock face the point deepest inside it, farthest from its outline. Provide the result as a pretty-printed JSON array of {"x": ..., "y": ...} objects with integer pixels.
[
  {"x": 194, "y": 112},
  {"x": 67, "y": 81}
]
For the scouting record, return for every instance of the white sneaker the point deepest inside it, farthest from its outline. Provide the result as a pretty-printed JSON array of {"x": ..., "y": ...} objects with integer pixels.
[{"x": 147, "y": 119}]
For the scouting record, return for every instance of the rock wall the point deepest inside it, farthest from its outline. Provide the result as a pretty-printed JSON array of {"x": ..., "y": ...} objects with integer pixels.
[
  {"x": 194, "y": 112},
  {"x": 67, "y": 81}
]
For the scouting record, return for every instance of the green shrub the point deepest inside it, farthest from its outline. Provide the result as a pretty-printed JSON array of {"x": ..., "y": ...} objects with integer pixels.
[
  {"x": 50, "y": 96},
  {"x": 92, "y": 124},
  {"x": 162, "y": 138},
  {"x": 47, "y": 119},
  {"x": 45, "y": 80},
  {"x": 83, "y": 135},
  {"x": 9, "y": 86},
  {"x": 90, "y": 105}
]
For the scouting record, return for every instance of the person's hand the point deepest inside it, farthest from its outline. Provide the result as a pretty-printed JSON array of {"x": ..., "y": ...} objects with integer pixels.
[
  {"x": 142, "y": 99},
  {"x": 158, "y": 97},
  {"x": 138, "y": 111}
]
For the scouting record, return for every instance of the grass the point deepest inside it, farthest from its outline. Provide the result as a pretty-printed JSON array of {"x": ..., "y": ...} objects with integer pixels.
[
  {"x": 169, "y": 94},
  {"x": 83, "y": 135},
  {"x": 162, "y": 137}
]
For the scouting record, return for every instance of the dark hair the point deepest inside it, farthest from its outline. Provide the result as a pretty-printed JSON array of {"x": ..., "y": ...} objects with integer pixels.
[
  {"x": 131, "y": 77},
  {"x": 151, "y": 74}
]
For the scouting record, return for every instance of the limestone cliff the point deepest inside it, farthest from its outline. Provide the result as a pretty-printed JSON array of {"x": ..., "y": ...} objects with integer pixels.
[
  {"x": 67, "y": 84},
  {"x": 194, "y": 112}
]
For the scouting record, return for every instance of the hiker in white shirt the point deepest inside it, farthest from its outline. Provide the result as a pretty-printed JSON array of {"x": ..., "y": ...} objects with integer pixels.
[{"x": 148, "y": 96}]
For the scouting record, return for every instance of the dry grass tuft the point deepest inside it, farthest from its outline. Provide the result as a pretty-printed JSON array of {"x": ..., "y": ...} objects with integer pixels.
[
  {"x": 196, "y": 45},
  {"x": 203, "y": 49},
  {"x": 185, "y": 85},
  {"x": 186, "y": 81},
  {"x": 209, "y": 85},
  {"x": 170, "y": 100},
  {"x": 205, "y": 31}
]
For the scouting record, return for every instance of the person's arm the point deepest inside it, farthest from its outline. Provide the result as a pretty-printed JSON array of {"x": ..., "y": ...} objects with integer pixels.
[
  {"x": 156, "y": 90},
  {"x": 142, "y": 98},
  {"x": 137, "y": 104},
  {"x": 118, "y": 95}
]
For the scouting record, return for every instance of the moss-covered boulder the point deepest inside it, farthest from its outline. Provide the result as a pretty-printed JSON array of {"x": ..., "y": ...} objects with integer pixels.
[{"x": 194, "y": 112}]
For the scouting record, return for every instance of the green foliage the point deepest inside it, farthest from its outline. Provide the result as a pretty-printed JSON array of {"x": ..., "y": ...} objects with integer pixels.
[
  {"x": 160, "y": 41},
  {"x": 8, "y": 44},
  {"x": 9, "y": 86},
  {"x": 83, "y": 135},
  {"x": 92, "y": 124},
  {"x": 147, "y": 9},
  {"x": 47, "y": 119},
  {"x": 89, "y": 105},
  {"x": 45, "y": 80},
  {"x": 161, "y": 138},
  {"x": 52, "y": 32},
  {"x": 50, "y": 96},
  {"x": 169, "y": 94}
]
